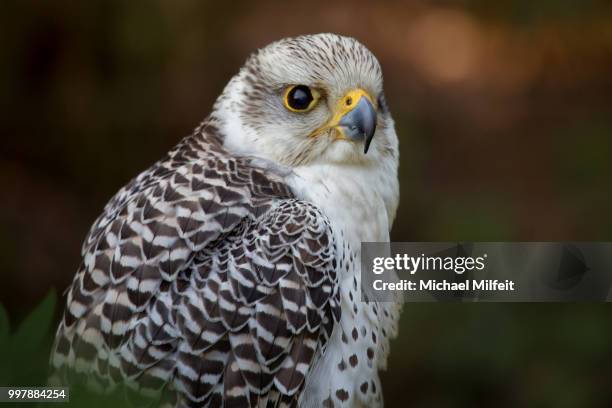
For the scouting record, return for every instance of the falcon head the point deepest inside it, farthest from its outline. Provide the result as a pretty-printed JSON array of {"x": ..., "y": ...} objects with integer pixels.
[{"x": 310, "y": 99}]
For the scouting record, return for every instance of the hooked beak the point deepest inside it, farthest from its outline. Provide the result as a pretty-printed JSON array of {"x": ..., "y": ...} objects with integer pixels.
[
  {"x": 359, "y": 123},
  {"x": 354, "y": 118}
]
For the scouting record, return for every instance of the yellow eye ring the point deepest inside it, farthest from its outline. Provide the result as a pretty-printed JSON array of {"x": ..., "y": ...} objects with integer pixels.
[{"x": 300, "y": 98}]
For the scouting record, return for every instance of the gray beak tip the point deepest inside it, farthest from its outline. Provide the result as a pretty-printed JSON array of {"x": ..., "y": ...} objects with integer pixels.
[{"x": 360, "y": 123}]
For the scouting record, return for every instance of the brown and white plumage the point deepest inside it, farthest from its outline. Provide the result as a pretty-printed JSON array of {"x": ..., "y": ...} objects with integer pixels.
[{"x": 228, "y": 272}]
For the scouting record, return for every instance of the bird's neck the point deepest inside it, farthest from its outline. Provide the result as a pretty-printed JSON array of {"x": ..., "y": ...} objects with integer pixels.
[{"x": 360, "y": 200}]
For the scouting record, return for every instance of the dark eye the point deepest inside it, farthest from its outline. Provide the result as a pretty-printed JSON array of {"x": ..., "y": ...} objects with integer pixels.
[{"x": 300, "y": 98}]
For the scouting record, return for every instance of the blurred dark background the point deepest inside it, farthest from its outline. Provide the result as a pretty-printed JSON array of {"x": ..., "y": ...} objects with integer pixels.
[{"x": 504, "y": 112}]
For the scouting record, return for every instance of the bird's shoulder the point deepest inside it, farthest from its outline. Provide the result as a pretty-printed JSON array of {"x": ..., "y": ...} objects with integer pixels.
[{"x": 198, "y": 176}]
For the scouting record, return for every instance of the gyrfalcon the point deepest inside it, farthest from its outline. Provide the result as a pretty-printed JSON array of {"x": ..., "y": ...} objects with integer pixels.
[{"x": 228, "y": 273}]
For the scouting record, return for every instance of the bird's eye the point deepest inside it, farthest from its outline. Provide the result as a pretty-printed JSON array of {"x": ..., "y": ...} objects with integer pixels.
[{"x": 300, "y": 98}]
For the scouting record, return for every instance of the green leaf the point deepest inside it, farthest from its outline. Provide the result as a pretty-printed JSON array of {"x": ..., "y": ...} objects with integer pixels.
[
  {"x": 29, "y": 344},
  {"x": 35, "y": 328}
]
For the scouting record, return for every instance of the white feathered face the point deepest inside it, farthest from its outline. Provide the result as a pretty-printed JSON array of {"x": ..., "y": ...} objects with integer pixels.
[{"x": 310, "y": 99}]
